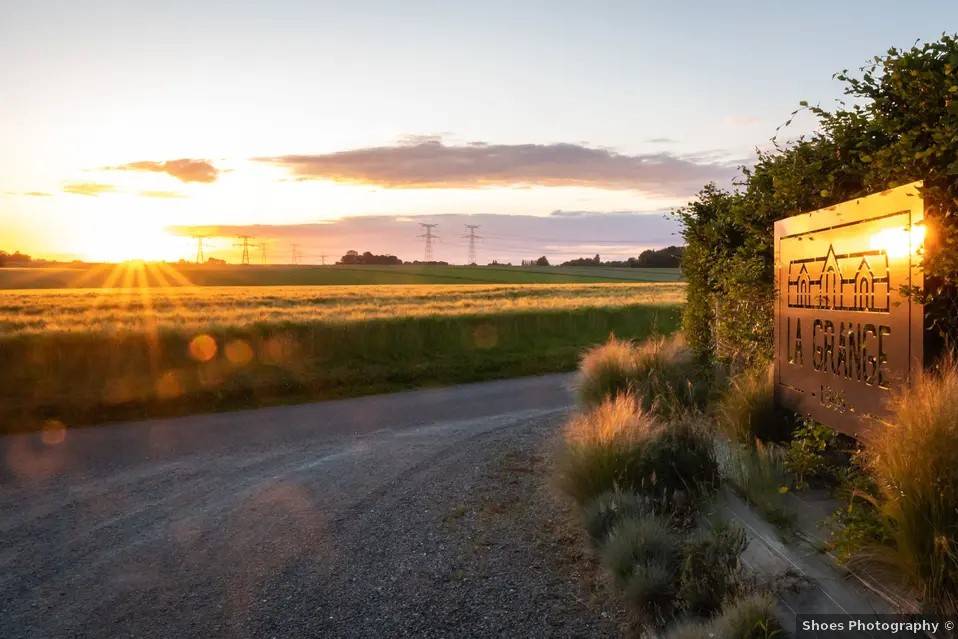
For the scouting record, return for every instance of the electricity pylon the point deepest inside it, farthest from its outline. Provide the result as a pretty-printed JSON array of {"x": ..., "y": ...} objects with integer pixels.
[
  {"x": 200, "y": 255},
  {"x": 245, "y": 245},
  {"x": 429, "y": 238},
  {"x": 472, "y": 237},
  {"x": 294, "y": 253}
]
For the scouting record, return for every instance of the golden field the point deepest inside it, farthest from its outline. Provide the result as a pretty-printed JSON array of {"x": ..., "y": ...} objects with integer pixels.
[{"x": 82, "y": 356}]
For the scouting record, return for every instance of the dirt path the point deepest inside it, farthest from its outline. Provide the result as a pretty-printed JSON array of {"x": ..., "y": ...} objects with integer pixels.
[{"x": 412, "y": 527}]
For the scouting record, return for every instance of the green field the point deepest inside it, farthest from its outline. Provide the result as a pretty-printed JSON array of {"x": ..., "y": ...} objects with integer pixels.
[
  {"x": 92, "y": 355},
  {"x": 111, "y": 275}
]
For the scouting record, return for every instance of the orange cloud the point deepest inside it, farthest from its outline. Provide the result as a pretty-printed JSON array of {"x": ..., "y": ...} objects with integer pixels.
[
  {"x": 184, "y": 170},
  {"x": 38, "y": 194},
  {"x": 89, "y": 188},
  {"x": 162, "y": 194},
  {"x": 429, "y": 163}
]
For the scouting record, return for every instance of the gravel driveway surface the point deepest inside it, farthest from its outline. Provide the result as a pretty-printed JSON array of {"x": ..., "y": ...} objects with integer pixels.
[{"x": 421, "y": 514}]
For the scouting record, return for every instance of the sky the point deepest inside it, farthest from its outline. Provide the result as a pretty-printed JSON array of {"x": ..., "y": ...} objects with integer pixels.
[{"x": 561, "y": 128}]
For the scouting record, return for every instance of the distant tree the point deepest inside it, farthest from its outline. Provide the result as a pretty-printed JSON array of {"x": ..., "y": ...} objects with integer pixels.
[
  {"x": 215, "y": 260},
  {"x": 14, "y": 259},
  {"x": 668, "y": 257},
  {"x": 542, "y": 261},
  {"x": 352, "y": 257}
]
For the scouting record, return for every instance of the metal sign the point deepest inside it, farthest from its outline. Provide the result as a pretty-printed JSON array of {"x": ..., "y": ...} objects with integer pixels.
[{"x": 845, "y": 334}]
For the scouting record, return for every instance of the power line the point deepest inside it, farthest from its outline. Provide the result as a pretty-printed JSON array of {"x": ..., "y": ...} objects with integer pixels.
[
  {"x": 245, "y": 245},
  {"x": 294, "y": 253},
  {"x": 429, "y": 238},
  {"x": 471, "y": 234}
]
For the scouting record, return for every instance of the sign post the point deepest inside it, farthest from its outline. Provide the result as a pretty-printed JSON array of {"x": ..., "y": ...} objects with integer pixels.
[{"x": 845, "y": 334}]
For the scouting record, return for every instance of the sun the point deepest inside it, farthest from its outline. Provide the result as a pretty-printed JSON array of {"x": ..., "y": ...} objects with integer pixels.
[{"x": 133, "y": 240}]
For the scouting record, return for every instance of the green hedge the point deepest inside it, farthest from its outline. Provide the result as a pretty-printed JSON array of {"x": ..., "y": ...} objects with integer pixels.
[{"x": 902, "y": 126}]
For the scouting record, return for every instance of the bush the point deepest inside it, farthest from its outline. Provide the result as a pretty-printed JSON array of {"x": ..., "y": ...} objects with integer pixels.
[
  {"x": 807, "y": 455},
  {"x": 912, "y": 461},
  {"x": 605, "y": 511},
  {"x": 711, "y": 570},
  {"x": 751, "y": 617},
  {"x": 617, "y": 446},
  {"x": 606, "y": 371},
  {"x": 900, "y": 127},
  {"x": 747, "y": 411},
  {"x": 640, "y": 541},
  {"x": 662, "y": 373}
]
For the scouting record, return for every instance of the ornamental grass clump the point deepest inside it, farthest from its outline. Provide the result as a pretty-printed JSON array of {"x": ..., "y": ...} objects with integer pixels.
[
  {"x": 602, "y": 446},
  {"x": 604, "y": 512},
  {"x": 661, "y": 373},
  {"x": 913, "y": 463},
  {"x": 619, "y": 446},
  {"x": 747, "y": 413},
  {"x": 606, "y": 371}
]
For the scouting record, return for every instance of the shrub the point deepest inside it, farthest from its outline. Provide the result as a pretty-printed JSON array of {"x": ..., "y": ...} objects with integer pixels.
[
  {"x": 662, "y": 373},
  {"x": 752, "y": 617},
  {"x": 912, "y": 461},
  {"x": 747, "y": 411},
  {"x": 606, "y": 371},
  {"x": 617, "y": 446},
  {"x": 807, "y": 455},
  {"x": 711, "y": 568},
  {"x": 640, "y": 541},
  {"x": 605, "y": 511}
]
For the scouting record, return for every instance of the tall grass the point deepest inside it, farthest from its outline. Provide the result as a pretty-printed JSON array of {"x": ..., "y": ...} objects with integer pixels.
[
  {"x": 662, "y": 373},
  {"x": 914, "y": 462},
  {"x": 619, "y": 446},
  {"x": 83, "y": 376},
  {"x": 747, "y": 413}
]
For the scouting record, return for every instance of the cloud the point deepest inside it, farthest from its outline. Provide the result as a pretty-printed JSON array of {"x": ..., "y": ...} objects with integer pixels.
[
  {"x": 505, "y": 237},
  {"x": 92, "y": 189},
  {"x": 741, "y": 120},
  {"x": 184, "y": 170},
  {"x": 431, "y": 164},
  {"x": 661, "y": 141},
  {"x": 162, "y": 194},
  {"x": 38, "y": 194}
]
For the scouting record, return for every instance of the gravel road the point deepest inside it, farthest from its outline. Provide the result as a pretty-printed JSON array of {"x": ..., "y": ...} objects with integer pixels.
[{"x": 424, "y": 514}]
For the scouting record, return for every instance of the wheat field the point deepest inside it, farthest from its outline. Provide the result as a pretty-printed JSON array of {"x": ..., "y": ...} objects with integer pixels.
[{"x": 84, "y": 356}]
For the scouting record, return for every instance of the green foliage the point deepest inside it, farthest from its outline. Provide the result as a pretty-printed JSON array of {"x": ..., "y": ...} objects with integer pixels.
[
  {"x": 902, "y": 127},
  {"x": 711, "y": 568},
  {"x": 605, "y": 511},
  {"x": 857, "y": 525},
  {"x": 806, "y": 457}
]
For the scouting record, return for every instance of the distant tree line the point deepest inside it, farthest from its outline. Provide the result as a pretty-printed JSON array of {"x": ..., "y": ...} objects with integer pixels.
[
  {"x": 668, "y": 257},
  {"x": 14, "y": 259},
  {"x": 353, "y": 257}
]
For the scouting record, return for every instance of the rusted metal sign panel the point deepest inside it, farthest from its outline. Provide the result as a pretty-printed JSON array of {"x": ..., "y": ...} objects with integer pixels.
[{"x": 845, "y": 335}]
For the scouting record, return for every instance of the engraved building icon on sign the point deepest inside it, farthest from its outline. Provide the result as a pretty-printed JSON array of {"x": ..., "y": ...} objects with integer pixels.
[{"x": 841, "y": 282}]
